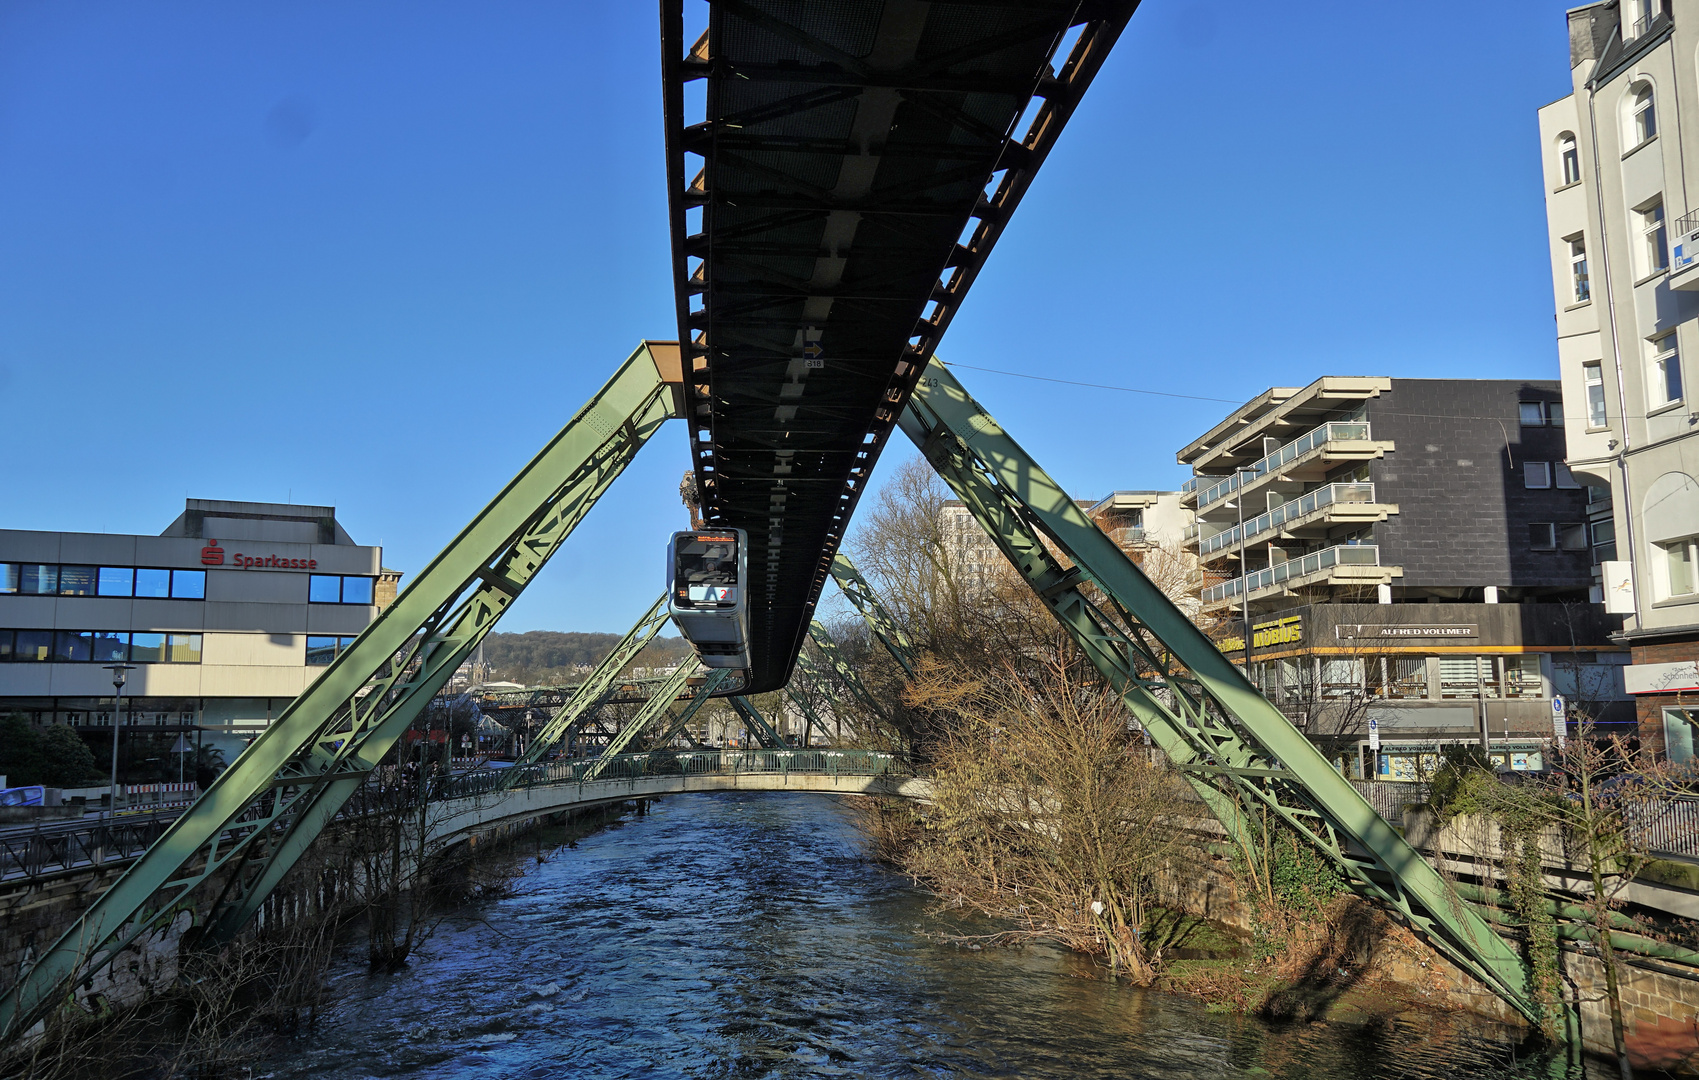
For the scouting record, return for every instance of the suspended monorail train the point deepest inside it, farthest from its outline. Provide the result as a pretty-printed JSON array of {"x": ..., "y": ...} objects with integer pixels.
[{"x": 707, "y": 597}]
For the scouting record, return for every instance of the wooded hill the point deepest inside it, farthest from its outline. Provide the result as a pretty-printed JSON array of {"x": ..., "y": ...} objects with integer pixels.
[{"x": 544, "y": 656}]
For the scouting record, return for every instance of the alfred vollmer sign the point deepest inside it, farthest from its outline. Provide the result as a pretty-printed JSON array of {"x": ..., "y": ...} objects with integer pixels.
[
  {"x": 1361, "y": 631},
  {"x": 213, "y": 555}
]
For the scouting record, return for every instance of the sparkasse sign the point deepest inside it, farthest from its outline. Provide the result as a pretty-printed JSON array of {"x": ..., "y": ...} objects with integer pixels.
[{"x": 213, "y": 555}]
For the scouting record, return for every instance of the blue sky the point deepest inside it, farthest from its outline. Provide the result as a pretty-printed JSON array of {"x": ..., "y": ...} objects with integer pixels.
[{"x": 373, "y": 255}]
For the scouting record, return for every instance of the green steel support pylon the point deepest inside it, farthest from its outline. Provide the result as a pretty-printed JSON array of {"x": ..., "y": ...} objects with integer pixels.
[
  {"x": 655, "y": 706},
  {"x": 757, "y": 724},
  {"x": 599, "y": 685},
  {"x": 1194, "y": 703},
  {"x": 810, "y": 718},
  {"x": 699, "y": 698},
  {"x": 252, "y": 824},
  {"x": 859, "y": 593},
  {"x": 841, "y": 667}
]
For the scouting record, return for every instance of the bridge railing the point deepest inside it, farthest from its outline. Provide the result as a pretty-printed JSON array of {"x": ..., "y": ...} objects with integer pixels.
[
  {"x": 74, "y": 845},
  {"x": 624, "y": 768}
]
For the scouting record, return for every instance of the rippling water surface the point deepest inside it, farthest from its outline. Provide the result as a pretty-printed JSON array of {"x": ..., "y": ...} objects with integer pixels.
[{"x": 743, "y": 935}]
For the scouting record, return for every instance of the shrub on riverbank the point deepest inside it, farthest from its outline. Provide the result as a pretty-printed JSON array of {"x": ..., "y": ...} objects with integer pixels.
[{"x": 1046, "y": 810}]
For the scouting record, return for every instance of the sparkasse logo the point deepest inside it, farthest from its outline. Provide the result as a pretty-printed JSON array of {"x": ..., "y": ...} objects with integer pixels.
[{"x": 212, "y": 554}]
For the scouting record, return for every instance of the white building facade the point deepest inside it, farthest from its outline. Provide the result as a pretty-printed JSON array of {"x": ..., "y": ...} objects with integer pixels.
[
  {"x": 1622, "y": 214},
  {"x": 227, "y": 616}
]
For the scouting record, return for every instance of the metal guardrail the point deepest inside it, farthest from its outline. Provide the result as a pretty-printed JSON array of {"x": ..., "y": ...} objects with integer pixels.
[
  {"x": 1670, "y": 826},
  {"x": 1314, "y": 562},
  {"x": 1332, "y": 431},
  {"x": 1303, "y": 505},
  {"x": 76, "y": 845},
  {"x": 1389, "y": 797}
]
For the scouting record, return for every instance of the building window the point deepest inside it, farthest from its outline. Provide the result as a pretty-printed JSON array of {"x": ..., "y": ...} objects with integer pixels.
[
  {"x": 1578, "y": 269},
  {"x": 36, "y": 579},
  {"x": 1522, "y": 677},
  {"x": 1536, "y": 474},
  {"x": 1645, "y": 117},
  {"x": 77, "y": 580},
  {"x": 1406, "y": 677},
  {"x": 1679, "y": 727},
  {"x": 1540, "y": 413},
  {"x": 1604, "y": 541},
  {"x": 1681, "y": 566},
  {"x": 1569, "y": 159},
  {"x": 1341, "y": 677},
  {"x": 98, "y": 647},
  {"x": 1564, "y": 478},
  {"x": 1593, "y": 377},
  {"x": 321, "y": 651},
  {"x": 116, "y": 581},
  {"x": 29, "y": 579},
  {"x": 330, "y": 589},
  {"x": 1460, "y": 676},
  {"x": 1572, "y": 536},
  {"x": 1542, "y": 536},
  {"x": 1663, "y": 375},
  {"x": 1654, "y": 244},
  {"x": 147, "y": 649}
]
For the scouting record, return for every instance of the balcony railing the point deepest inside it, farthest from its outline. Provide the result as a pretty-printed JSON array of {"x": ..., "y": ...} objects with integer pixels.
[
  {"x": 1334, "y": 431},
  {"x": 1297, "y": 508},
  {"x": 1314, "y": 562},
  {"x": 1190, "y": 485}
]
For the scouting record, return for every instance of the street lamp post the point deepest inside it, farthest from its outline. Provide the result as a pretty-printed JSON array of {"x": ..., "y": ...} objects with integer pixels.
[
  {"x": 117, "y": 671},
  {"x": 1245, "y": 571}
]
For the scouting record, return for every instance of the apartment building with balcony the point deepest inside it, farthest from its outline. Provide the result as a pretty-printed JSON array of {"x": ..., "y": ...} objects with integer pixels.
[
  {"x": 1622, "y": 218},
  {"x": 1410, "y": 551}
]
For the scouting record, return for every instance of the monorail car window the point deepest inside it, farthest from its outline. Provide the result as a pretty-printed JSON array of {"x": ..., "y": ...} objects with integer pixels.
[{"x": 704, "y": 561}]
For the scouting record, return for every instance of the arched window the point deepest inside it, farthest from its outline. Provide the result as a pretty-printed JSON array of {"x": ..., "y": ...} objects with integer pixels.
[
  {"x": 1643, "y": 122},
  {"x": 1569, "y": 158}
]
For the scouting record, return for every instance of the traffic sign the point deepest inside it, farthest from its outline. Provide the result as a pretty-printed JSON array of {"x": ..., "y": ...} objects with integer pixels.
[{"x": 1560, "y": 719}]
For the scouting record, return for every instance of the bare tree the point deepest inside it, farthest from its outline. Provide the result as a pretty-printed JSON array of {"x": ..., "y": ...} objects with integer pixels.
[{"x": 1047, "y": 811}]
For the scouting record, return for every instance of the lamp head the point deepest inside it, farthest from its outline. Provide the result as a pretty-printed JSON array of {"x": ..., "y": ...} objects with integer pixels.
[{"x": 118, "y": 671}]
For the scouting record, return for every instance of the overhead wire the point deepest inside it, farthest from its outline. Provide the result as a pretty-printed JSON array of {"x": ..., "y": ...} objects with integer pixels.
[{"x": 1233, "y": 401}]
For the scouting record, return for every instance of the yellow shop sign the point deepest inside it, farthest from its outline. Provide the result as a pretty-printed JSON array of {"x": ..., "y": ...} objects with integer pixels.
[{"x": 1279, "y": 632}]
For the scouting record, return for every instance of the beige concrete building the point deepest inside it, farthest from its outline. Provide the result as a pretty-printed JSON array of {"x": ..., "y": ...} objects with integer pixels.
[
  {"x": 1622, "y": 213},
  {"x": 226, "y": 616}
]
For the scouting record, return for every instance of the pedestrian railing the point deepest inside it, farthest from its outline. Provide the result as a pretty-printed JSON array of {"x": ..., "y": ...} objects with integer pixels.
[
  {"x": 1298, "y": 566},
  {"x": 627, "y": 767},
  {"x": 1302, "y": 506},
  {"x": 1667, "y": 826},
  {"x": 1390, "y": 797},
  {"x": 1333, "y": 431}
]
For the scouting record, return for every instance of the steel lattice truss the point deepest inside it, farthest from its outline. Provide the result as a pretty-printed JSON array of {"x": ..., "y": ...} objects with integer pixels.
[
  {"x": 1241, "y": 752},
  {"x": 855, "y": 164}
]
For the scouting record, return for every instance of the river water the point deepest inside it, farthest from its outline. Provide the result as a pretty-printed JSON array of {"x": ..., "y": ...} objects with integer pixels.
[{"x": 740, "y": 935}]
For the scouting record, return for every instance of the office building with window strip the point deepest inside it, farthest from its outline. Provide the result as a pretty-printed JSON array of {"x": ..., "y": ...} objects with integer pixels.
[
  {"x": 1622, "y": 221},
  {"x": 1413, "y": 552},
  {"x": 225, "y": 616}
]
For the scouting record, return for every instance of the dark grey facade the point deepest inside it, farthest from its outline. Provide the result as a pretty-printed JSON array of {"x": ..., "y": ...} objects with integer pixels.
[{"x": 1458, "y": 474}]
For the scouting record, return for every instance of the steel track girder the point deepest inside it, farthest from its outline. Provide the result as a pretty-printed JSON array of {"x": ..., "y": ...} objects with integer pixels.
[
  {"x": 1196, "y": 706},
  {"x": 260, "y": 814}
]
